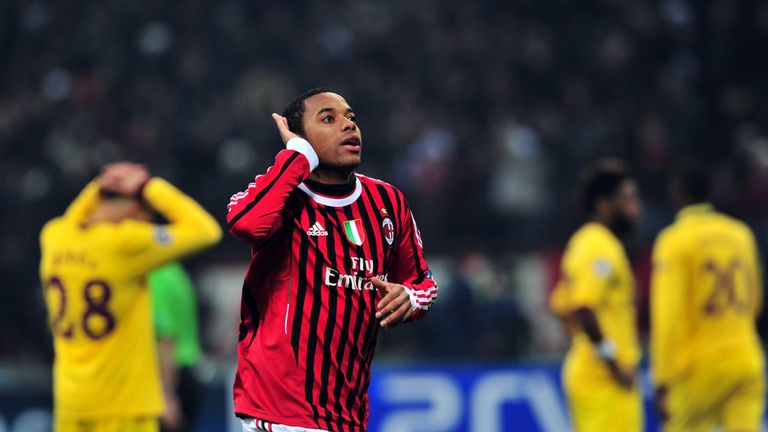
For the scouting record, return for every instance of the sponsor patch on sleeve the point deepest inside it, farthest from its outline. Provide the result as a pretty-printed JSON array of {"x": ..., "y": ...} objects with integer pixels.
[
  {"x": 602, "y": 267},
  {"x": 162, "y": 235}
]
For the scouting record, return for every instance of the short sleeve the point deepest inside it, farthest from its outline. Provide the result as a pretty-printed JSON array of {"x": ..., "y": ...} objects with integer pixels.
[
  {"x": 558, "y": 299},
  {"x": 591, "y": 270},
  {"x": 669, "y": 297}
]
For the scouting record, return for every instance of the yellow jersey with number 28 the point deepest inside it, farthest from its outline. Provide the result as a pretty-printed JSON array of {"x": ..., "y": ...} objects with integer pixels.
[{"x": 98, "y": 303}]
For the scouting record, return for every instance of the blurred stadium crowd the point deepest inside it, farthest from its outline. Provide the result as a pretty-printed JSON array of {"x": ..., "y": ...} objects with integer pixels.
[{"x": 482, "y": 112}]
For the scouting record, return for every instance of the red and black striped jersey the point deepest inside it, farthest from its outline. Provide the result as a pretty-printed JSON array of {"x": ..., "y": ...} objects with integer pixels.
[{"x": 308, "y": 328}]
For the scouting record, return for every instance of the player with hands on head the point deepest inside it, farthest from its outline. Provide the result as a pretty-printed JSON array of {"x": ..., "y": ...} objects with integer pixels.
[
  {"x": 335, "y": 256},
  {"x": 94, "y": 262}
]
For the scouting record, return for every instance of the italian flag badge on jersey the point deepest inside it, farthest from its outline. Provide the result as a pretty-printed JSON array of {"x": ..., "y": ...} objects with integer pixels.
[{"x": 354, "y": 231}]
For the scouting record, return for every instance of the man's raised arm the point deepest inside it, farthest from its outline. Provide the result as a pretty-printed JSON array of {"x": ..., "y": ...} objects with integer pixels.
[{"x": 254, "y": 214}]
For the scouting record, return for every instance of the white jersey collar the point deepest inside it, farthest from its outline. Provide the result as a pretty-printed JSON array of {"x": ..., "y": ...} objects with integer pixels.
[{"x": 334, "y": 201}]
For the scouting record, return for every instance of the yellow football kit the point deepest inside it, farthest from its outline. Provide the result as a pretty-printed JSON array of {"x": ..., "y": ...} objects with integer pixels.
[
  {"x": 128, "y": 424},
  {"x": 106, "y": 365},
  {"x": 706, "y": 292},
  {"x": 596, "y": 274}
]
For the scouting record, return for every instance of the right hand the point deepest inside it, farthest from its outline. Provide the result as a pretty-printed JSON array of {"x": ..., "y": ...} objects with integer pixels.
[
  {"x": 172, "y": 417},
  {"x": 395, "y": 307},
  {"x": 282, "y": 126},
  {"x": 660, "y": 402},
  {"x": 625, "y": 379},
  {"x": 124, "y": 178}
]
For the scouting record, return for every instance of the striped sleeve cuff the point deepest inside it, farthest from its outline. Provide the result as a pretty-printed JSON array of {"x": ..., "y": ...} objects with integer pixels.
[
  {"x": 421, "y": 300},
  {"x": 304, "y": 147}
]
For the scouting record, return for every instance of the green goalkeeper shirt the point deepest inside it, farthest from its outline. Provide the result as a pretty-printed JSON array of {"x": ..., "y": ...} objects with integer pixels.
[{"x": 175, "y": 311}]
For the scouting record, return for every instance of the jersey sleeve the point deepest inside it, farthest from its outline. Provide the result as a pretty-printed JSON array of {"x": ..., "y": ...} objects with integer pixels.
[
  {"x": 589, "y": 275},
  {"x": 669, "y": 280},
  {"x": 190, "y": 228},
  {"x": 410, "y": 267},
  {"x": 79, "y": 210},
  {"x": 756, "y": 275},
  {"x": 256, "y": 213},
  {"x": 558, "y": 299}
]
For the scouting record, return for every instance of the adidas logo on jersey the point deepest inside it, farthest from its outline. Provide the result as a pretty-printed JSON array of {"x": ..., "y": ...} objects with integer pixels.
[{"x": 317, "y": 230}]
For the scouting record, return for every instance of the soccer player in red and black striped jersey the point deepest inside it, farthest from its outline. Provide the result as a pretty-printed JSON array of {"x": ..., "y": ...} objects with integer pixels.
[{"x": 335, "y": 256}]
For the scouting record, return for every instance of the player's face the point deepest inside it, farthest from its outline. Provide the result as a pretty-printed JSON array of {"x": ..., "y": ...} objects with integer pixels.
[
  {"x": 329, "y": 125},
  {"x": 627, "y": 206}
]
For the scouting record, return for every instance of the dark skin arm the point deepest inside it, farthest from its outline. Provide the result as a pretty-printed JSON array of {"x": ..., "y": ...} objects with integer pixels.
[
  {"x": 586, "y": 318},
  {"x": 660, "y": 402},
  {"x": 172, "y": 418}
]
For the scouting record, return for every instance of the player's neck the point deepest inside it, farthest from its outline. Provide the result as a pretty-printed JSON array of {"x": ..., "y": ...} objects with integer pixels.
[
  {"x": 618, "y": 226},
  {"x": 331, "y": 190},
  {"x": 332, "y": 176},
  {"x": 685, "y": 203},
  {"x": 109, "y": 213},
  {"x": 102, "y": 214},
  {"x": 601, "y": 220}
]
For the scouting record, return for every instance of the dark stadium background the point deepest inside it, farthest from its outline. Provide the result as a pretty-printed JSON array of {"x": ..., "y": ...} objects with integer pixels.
[{"x": 482, "y": 112}]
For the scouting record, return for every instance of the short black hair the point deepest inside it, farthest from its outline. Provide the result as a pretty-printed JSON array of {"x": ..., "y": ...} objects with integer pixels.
[
  {"x": 601, "y": 180},
  {"x": 691, "y": 182},
  {"x": 113, "y": 196},
  {"x": 294, "y": 112}
]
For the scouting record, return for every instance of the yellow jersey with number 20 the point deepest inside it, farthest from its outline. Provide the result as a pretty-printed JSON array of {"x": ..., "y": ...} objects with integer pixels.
[{"x": 706, "y": 292}]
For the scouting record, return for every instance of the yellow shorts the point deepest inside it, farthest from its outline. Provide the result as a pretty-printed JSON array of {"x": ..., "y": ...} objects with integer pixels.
[
  {"x": 601, "y": 405},
  {"x": 596, "y": 402},
  {"x": 131, "y": 424},
  {"x": 607, "y": 409},
  {"x": 731, "y": 396}
]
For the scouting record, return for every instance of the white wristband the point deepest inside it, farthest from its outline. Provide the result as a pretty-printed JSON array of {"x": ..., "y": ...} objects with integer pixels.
[
  {"x": 606, "y": 350},
  {"x": 304, "y": 147},
  {"x": 412, "y": 298}
]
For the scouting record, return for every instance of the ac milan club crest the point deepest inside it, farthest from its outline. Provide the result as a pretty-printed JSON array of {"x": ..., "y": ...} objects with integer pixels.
[{"x": 388, "y": 229}]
